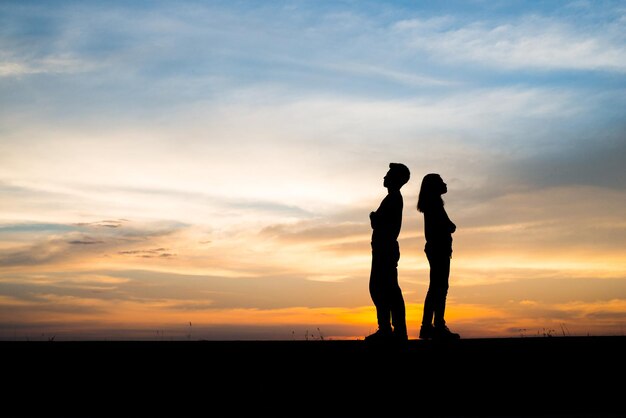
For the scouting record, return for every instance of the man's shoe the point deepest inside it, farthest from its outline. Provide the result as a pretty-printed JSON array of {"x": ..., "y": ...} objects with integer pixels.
[
  {"x": 379, "y": 335},
  {"x": 400, "y": 336},
  {"x": 426, "y": 332},
  {"x": 443, "y": 333}
]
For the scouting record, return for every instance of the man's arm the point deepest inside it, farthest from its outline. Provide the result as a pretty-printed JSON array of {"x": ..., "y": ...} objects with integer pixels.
[{"x": 373, "y": 220}]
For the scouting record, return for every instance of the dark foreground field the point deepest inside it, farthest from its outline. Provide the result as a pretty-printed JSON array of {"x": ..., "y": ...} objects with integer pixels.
[{"x": 517, "y": 377}]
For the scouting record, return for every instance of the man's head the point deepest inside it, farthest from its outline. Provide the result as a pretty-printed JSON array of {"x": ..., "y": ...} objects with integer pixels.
[{"x": 397, "y": 176}]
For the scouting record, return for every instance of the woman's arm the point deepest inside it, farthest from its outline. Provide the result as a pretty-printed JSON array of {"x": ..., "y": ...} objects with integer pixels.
[{"x": 451, "y": 225}]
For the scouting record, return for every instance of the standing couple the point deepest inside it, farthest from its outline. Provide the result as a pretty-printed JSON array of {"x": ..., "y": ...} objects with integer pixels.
[{"x": 386, "y": 222}]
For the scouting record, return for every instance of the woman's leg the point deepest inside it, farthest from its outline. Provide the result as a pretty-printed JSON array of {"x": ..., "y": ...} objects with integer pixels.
[
  {"x": 440, "y": 275},
  {"x": 435, "y": 301}
]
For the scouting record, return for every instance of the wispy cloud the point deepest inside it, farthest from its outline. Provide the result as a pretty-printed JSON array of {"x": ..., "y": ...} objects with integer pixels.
[
  {"x": 597, "y": 161},
  {"x": 115, "y": 223},
  {"x": 51, "y": 65},
  {"x": 84, "y": 242},
  {"x": 320, "y": 230},
  {"x": 151, "y": 253},
  {"x": 527, "y": 42},
  {"x": 35, "y": 254}
]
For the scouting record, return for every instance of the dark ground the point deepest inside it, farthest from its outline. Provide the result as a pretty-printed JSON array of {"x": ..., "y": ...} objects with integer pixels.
[{"x": 508, "y": 377}]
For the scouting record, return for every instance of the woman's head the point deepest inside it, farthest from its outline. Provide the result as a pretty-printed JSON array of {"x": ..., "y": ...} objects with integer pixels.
[{"x": 431, "y": 190}]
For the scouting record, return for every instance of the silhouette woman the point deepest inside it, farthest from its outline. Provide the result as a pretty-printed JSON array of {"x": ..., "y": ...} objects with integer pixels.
[
  {"x": 385, "y": 291},
  {"x": 438, "y": 230}
]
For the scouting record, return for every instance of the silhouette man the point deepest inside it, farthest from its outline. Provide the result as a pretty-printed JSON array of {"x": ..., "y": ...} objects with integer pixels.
[
  {"x": 438, "y": 230},
  {"x": 385, "y": 291}
]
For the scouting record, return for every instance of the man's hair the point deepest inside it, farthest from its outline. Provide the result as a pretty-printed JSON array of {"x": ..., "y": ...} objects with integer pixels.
[{"x": 401, "y": 172}]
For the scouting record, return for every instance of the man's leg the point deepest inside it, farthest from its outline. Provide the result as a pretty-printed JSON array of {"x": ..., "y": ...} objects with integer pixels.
[
  {"x": 396, "y": 300},
  {"x": 379, "y": 295}
]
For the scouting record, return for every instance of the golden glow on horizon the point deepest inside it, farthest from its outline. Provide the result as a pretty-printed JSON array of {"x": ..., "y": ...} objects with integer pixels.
[
  {"x": 104, "y": 292},
  {"x": 354, "y": 323}
]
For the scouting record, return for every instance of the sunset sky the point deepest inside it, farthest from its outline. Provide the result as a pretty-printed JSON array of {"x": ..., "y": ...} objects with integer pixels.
[{"x": 205, "y": 169}]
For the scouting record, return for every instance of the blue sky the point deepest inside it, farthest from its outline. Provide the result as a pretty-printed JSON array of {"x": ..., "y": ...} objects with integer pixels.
[{"x": 249, "y": 140}]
